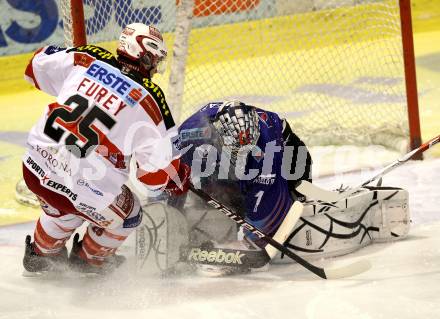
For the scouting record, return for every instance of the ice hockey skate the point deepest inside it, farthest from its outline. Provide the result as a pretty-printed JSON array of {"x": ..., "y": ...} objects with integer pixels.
[
  {"x": 36, "y": 264},
  {"x": 79, "y": 264}
]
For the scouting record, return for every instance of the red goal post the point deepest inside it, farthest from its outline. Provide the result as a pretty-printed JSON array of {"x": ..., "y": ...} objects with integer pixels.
[
  {"x": 342, "y": 71},
  {"x": 410, "y": 76}
]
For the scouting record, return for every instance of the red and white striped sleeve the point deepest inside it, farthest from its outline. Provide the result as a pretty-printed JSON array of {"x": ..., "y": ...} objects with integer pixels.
[{"x": 155, "y": 153}]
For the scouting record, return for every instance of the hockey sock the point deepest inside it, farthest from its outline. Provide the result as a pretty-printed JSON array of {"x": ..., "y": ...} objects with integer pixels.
[
  {"x": 51, "y": 233},
  {"x": 99, "y": 244}
]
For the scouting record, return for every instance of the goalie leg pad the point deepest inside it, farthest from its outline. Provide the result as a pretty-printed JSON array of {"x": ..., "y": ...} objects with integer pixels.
[
  {"x": 392, "y": 217},
  {"x": 159, "y": 238},
  {"x": 331, "y": 229},
  {"x": 163, "y": 238},
  {"x": 206, "y": 224}
]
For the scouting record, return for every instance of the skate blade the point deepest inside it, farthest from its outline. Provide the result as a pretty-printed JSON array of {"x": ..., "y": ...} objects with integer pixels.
[
  {"x": 42, "y": 274},
  {"x": 51, "y": 275}
]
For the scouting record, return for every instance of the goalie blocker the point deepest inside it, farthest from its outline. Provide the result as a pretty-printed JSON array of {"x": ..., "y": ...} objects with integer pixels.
[{"x": 167, "y": 239}]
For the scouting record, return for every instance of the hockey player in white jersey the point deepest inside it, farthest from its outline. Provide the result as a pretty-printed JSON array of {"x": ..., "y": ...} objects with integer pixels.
[{"x": 107, "y": 110}]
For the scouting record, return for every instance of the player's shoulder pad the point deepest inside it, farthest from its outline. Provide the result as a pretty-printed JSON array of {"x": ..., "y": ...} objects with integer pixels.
[
  {"x": 159, "y": 97},
  {"x": 97, "y": 52}
]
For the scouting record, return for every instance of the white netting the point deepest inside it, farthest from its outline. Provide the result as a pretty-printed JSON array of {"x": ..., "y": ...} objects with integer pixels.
[
  {"x": 65, "y": 9},
  {"x": 333, "y": 68}
]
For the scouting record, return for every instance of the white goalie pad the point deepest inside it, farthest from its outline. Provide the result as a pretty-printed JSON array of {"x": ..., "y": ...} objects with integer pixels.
[
  {"x": 375, "y": 214},
  {"x": 159, "y": 237},
  {"x": 165, "y": 231}
]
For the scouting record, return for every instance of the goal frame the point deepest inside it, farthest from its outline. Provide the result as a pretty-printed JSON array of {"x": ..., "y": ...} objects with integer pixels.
[{"x": 79, "y": 38}]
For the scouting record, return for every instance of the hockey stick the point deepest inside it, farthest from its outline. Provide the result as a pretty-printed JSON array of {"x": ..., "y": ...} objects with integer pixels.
[
  {"x": 311, "y": 190},
  {"x": 347, "y": 271}
]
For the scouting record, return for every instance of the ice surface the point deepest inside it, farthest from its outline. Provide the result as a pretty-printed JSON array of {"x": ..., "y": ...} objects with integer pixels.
[{"x": 403, "y": 282}]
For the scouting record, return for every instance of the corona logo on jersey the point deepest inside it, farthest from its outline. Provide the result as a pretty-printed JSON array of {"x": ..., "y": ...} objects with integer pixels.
[{"x": 52, "y": 162}]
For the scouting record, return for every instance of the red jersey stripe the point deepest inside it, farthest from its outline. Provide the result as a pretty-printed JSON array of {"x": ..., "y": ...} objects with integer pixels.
[
  {"x": 117, "y": 211},
  {"x": 159, "y": 177},
  {"x": 150, "y": 106},
  {"x": 114, "y": 236}
]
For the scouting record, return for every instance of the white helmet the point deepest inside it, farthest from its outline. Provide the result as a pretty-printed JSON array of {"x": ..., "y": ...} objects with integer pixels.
[{"x": 143, "y": 49}]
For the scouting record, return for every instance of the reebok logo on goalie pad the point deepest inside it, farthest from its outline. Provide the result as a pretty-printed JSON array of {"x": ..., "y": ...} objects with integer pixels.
[{"x": 215, "y": 256}]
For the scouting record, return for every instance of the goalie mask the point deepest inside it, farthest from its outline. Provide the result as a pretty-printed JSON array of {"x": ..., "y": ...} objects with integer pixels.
[
  {"x": 237, "y": 126},
  {"x": 142, "y": 49}
]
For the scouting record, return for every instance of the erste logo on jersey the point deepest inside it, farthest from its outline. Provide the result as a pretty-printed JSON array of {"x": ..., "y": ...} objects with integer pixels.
[
  {"x": 113, "y": 91},
  {"x": 107, "y": 86},
  {"x": 198, "y": 133},
  {"x": 106, "y": 75}
]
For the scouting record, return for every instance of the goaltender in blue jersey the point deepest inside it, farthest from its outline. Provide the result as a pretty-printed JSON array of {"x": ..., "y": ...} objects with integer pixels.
[{"x": 247, "y": 158}]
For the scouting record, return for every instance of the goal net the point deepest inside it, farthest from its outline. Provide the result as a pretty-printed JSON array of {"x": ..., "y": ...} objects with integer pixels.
[{"x": 334, "y": 69}]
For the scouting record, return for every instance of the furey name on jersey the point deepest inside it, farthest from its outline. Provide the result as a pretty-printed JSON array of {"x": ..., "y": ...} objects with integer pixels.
[
  {"x": 45, "y": 180},
  {"x": 109, "y": 88}
]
